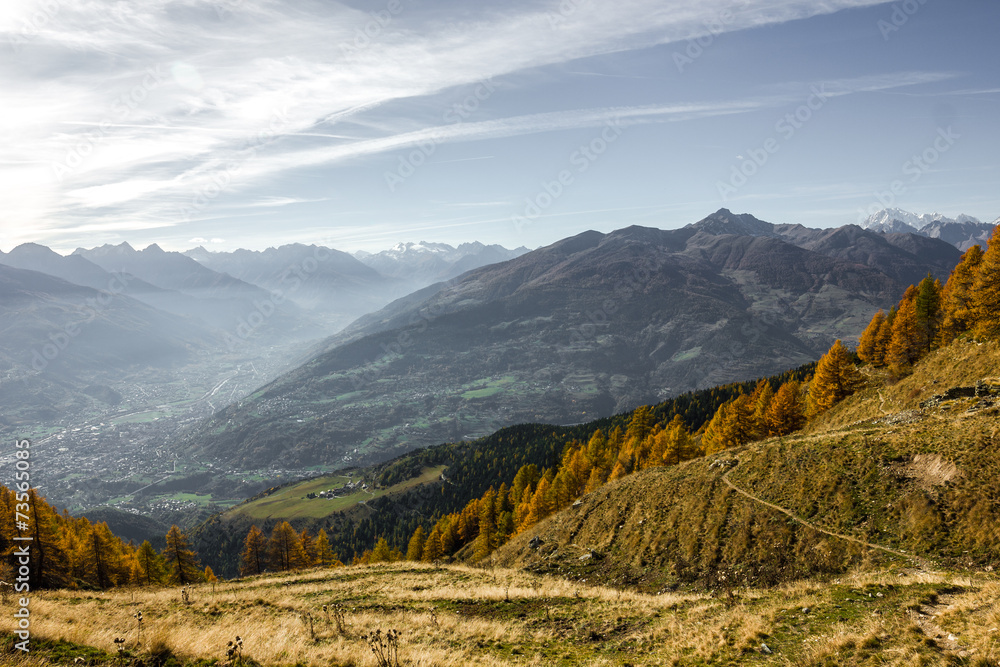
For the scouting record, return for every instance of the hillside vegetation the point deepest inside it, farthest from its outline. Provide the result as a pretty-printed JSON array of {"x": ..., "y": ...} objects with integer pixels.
[
  {"x": 589, "y": 326},
  {"x": 911, "y": 479},
  {"x": 455, "y": 615},
  {"x": 404, "y": 502}
]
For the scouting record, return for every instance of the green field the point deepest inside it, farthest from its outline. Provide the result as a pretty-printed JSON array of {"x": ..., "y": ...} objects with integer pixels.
[
  {"x": 291, "y": 502},
  {"x": 139, "y": 418},
  {"x": 184, "y": 497},
  {"x": 487, "y": 387}
]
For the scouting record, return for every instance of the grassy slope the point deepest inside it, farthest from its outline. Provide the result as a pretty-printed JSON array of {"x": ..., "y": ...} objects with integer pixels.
[
  {"x": 453, "y": 615},
  {"x": 290, "y": 502},
  {"x": 877, "y": 468},
  {"x": 690, "y": 548}
]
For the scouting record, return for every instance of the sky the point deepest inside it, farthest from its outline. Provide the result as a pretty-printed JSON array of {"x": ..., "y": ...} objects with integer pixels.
[{"x": 357, "y": 125}]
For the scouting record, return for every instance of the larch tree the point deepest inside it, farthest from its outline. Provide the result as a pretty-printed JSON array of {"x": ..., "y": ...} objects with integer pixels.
[
  {"x": 309, "y": 548},
  {"x": 905, "y": 345},
  {"x": 885, "y": 336},
  {"x": 151, "y": 566},
  {"x": 432, "y": 546},
  {"x": 486, "y": 540},
  {"x": 450, "y": 541},
  {"x": 786, "y": 414},
  {"x": 182, "y": 563},
  {"x": 381, "y": 553},
  {"x": 836, "y": 378},
  {"x": 868, "y": 346},
  {"x": 670, "y": 445},
  {"x": 927, "y": 308},
  {"x": 762, "y": 396},
  {"x": 524, "y": 482},
  {"x": 253, "y": 557},
  {"x": 415, "y": 549},
  {"x": 731, "y": 426},
  {"x": 986, "y": 291},
  {"x": 48, "y": 563},
  {"x": 284, "y": 549},
  {"x": 956, "y": 297},
  {"x": 541, "y": 505},
  {"x": 325, "y": 557}
]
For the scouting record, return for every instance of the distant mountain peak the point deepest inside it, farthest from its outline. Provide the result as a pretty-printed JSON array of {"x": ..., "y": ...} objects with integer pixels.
[
  {"x": 725, "y": 221},
  {"x": 33, "y": 249},
  {"x": 963, "y": 231},
  {"x": 890, "y": 220},
  {"x": 108, "y": 249},
  {"x": 426, "y": 262},
  {"x": 154, "y": 248}
]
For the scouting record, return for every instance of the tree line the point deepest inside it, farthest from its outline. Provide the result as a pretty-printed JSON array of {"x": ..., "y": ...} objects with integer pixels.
[
  {"x": 929, "y": 315},
  {"x": 72, "y": 552},
  {"x": 285, "y": 550}
]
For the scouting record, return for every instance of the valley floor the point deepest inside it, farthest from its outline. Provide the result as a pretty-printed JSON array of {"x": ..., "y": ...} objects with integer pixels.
[{"x": 456, "y": 615}]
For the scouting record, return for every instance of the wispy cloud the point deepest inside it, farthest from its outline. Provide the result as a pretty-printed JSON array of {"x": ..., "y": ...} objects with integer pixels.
[{"x": 121, "y": 110}]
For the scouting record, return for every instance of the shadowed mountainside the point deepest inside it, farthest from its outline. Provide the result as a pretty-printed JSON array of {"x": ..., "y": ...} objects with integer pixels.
[{"x": 588, "y": 326}]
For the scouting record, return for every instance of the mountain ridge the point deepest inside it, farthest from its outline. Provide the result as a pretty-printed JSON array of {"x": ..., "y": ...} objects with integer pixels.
[
  {"x": 964, "y": 231},
  {"x": 591, "y": 324}
]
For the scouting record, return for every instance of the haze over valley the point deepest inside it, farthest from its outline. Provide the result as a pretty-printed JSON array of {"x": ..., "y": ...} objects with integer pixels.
[{"x": 541, "y": 332}]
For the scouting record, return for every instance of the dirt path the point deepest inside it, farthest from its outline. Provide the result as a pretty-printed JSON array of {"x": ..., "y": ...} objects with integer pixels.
[
  {"x": 924, "y": 617},
  {"x": 725, "y": 478}
]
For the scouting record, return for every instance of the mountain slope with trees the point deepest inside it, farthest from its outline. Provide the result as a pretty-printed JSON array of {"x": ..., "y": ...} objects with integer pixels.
[{"x": 589, "y": 326}]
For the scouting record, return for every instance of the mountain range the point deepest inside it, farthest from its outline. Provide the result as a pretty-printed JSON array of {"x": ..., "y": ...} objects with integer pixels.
[
  {"x": 962, "y": 232},
  {"x": 588, "y": 326},
  {"x": 150, "y": 308},
  {"x": 425, "y": 263}
]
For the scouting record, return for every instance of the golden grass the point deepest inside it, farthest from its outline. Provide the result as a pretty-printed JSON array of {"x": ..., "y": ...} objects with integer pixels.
[
  {"x": 960, "y": 364},
  {"x": 456, "y": 615}
]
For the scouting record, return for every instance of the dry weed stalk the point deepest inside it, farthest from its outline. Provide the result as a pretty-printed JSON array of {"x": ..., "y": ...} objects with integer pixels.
[
  {"x": 307, "y": 620},
  {"x": 385, "y": 647},
  {"x": 234, "y": 651}
]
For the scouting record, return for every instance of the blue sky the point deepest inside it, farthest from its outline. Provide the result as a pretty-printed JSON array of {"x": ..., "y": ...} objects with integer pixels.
[{"x": 250, "y": 123}]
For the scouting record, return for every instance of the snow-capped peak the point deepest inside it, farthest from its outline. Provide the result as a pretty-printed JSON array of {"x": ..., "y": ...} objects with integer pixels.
[
  {"x": 963, "y": 219},
  {"x": 893, "y": 220},
  {"x": 410, "y": 247}
]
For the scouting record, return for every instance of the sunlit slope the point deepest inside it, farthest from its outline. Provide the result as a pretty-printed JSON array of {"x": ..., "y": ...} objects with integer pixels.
[
  {"x": 879, "y": 474},
  {"x": 453, "y": 615}
]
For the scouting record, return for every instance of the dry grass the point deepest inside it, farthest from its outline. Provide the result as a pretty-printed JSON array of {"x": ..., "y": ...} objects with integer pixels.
[
  {"x": 960, "y": 364},
  {"x": 457, "y": 615}
]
